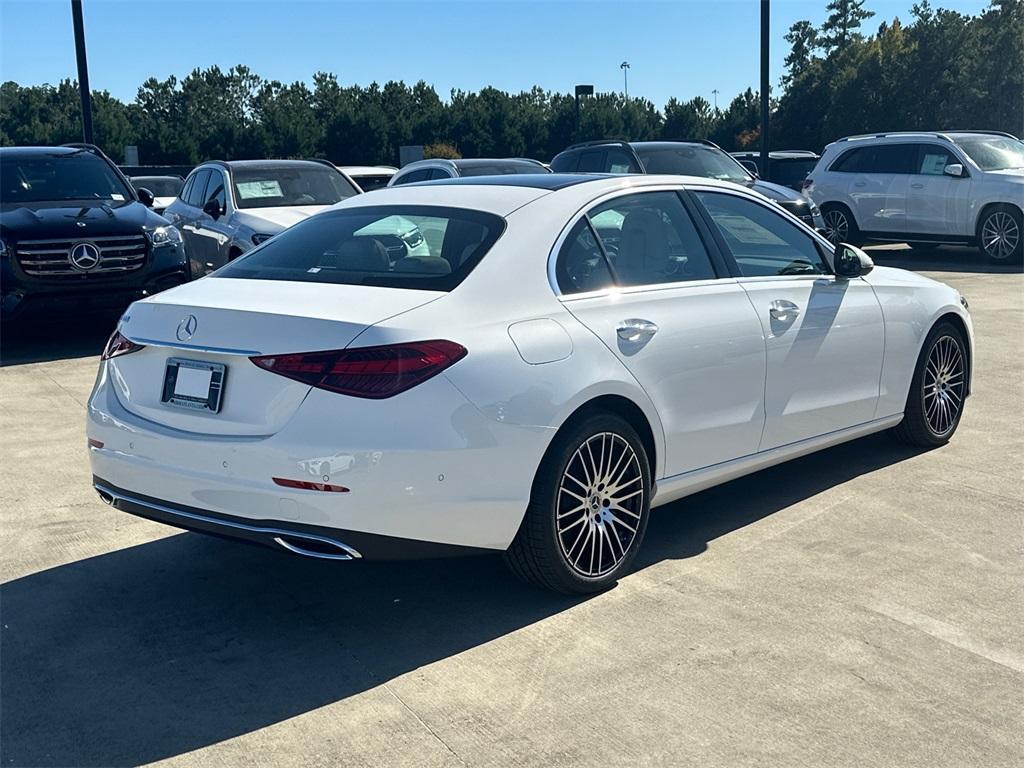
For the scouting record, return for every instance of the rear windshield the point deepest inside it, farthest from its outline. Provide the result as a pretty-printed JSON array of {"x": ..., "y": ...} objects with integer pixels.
[
  {"x": 44, "y": 177},
  {"x": 425, "y": 247},
  {"x": 370, "y": 183},
  {"x": 274, "y": 186},
  {"x": 791, "y": 172}
]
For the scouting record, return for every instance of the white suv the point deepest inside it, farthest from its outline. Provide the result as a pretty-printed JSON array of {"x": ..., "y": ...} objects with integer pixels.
[{"x": 924, "y": 189}]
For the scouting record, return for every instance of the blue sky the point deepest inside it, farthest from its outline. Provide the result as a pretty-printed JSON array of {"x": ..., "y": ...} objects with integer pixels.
[{"x": 682, "y": 48}]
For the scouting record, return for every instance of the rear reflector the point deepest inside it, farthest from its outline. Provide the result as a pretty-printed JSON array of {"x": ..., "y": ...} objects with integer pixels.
[
  {"x": 95, "y": 443},
  {"x": 306, "y": 485},
  {"x": 373, "y": 372}
]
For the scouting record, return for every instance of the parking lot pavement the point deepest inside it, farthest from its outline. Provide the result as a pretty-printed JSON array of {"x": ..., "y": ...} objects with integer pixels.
[{"x": 862, "y": 606}]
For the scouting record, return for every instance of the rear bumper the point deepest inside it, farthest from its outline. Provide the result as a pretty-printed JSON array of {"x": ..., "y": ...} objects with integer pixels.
[
  {"x": 286, "y": 536},
  {"x": 424, "y": 468}
]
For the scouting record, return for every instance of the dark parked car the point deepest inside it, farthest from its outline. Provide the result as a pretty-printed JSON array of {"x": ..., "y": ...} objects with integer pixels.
[
  {"x": 700, "y": 158},
  {"x": 75, "y": 233},
  {"x": 788, "y": 167}
]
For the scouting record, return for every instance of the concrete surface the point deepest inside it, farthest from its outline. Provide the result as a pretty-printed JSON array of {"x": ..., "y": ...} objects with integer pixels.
[{"x": 860, "y": 607}]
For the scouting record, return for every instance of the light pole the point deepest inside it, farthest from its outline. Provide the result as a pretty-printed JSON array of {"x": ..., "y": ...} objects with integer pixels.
[
  {"x": 763, "y": 165},
  {"x": 714, "y": 95},
  {"x": 83, "y": 70},
  {"x": 581, "y": 90},
  {"x": 624, "y": 66}
]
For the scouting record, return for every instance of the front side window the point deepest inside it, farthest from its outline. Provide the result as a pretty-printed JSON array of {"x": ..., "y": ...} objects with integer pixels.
[
  {"x": 423, "y": 247},
  {"x": 285, "y": 185},
  {"x": 645, "y": 239},
  {"x": 197, "y": 193},
  {"x": 994, "y": 153},
  {"x": 933, "y": 159},
  {"x": 761, "y": 241},
  {"x": 215, "y": 190},
  {"x": 44, "y": 176}
]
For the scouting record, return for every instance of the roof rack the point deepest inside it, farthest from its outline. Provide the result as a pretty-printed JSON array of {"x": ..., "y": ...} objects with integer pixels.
[
  {"x": 321, "y": 160},
  {"x": 1004, "y": 134}
]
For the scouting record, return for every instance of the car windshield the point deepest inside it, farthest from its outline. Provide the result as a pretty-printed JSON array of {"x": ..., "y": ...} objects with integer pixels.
[
  {"x": 426, "y": 247},
  {"x": 51, "y": 176},
  {"x": 692, "y": 160},
  {"x": 160, "y": 186},
  {"x": 271, "y": 186},
  {"x": 994, "y": 154}
]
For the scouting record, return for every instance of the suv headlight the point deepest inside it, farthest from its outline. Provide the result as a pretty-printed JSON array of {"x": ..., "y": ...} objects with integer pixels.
[{"x": 166, "y": 235}]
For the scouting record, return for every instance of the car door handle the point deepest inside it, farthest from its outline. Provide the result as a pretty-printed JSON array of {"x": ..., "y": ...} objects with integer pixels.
[
  {"x": 860, "y": 183},
  {"x": 780, "y": 309},
  {"x": 917, "y": 185},
  {"x": 635, "y": 329}
]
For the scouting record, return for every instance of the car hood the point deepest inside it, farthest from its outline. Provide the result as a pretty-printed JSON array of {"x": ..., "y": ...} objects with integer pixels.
[
  {"x": 777, "y": 192},
  {"x": 273, "y": 220},
  {"x": 1008, "y": 174},
  {"x": 79, "y": 219}
]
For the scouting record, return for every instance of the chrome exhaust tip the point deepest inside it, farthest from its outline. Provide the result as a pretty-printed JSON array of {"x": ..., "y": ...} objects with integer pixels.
[
  {"x": 315, "y": 546},
  {"x": 105, "y": 497}
]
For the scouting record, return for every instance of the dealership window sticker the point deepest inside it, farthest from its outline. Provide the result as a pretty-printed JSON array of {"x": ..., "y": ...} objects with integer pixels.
[{"x": 251, "y": 190}]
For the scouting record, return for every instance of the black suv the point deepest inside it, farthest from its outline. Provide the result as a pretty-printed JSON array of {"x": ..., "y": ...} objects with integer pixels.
[
  {"x": 788, "y": 167},
  {"x": 74, "y": 233},
  {"x": 698, "y": 157}
]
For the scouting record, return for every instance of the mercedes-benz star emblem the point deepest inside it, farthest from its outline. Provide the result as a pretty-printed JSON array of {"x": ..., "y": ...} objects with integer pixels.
[
  {"x": 84, "y": 256},
  {"x": 187, "y": 328}
]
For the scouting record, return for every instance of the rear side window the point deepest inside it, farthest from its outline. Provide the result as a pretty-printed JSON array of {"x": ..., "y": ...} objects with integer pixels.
[
  {"x": 761, "y": 241},
  {"x": 889, "y": 158},
  {"x": 423, "y": 247},
  {"x": 420, "y": 174},
  {"x": 848, "y": 162}
]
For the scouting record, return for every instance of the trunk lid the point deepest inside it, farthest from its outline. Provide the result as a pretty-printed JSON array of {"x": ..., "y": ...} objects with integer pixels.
[{"x": 225, "y": 321}]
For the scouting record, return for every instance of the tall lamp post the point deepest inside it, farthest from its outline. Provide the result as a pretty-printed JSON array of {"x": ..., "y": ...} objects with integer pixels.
[
  {"x": 581, "y": 90},
  {"x": 83, "y": 70},
  {"x": 624, "y": 66},
  {"x": 763, "y": 165}
]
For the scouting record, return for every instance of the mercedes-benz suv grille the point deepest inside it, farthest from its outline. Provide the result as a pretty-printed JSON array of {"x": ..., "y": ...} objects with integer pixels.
[{"x": 47, "y": 258}]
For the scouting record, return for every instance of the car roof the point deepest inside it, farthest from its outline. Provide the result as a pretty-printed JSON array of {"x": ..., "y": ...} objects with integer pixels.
[
  {"x": 504, "y": 194},
  {"x": 257, "y": 164},
  {"x": 779, "y": 154},
  {"x": 37, "y": 150}
]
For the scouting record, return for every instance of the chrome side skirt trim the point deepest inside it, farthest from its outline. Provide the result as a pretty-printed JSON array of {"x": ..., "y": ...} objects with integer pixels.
[
  {"x": 289, "y": 540},
  {"x": 676, "y": 487}
]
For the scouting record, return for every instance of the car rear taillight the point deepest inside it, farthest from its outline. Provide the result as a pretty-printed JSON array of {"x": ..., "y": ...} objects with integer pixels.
[
  {"x": 374, "y": 372},
  {"x": 118, "y": 345}
]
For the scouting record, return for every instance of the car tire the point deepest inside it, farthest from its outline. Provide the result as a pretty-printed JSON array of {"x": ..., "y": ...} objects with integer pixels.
[
  {"x": 938, "y": 389},
  {"x": 840, "y": 226},
  {"x": 588, "y": 509},
  {"x": 1001, "y": 234}
]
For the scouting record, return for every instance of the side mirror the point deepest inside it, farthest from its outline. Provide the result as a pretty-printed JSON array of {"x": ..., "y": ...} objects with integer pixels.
[
  {"x": 956, "y": 170},
  {"x": 145, "y": 197},
  {"x": 851, "y": 261},
  {"x": 212, "y": 207},
  {"x": 751, "y": 166}
]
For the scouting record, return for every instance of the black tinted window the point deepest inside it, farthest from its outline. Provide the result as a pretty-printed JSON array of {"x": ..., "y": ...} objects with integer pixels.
[
  {"x": 187, "y": 189},
  {"x": 848, "y": 162},
  {"x": 591, "y": 161},
  {"x": 581, "y": 265},
  {"x": 215, "y": 189},
  {"x": 791, "y": 172},
  {"x": 197, "y": 193},
  {"x": 423, "y": 247},
  {"x": 565, "y": 162},
  {"x": 889, "y": 158},
  {"x": 35, "y": 177},
  {"x": 761, "y": 241},
  {"x": 439, "y": 173},
  {"x": 420, "y": 174}
]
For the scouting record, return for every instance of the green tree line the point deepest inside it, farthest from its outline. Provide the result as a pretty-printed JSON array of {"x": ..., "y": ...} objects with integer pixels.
[{"x": 942, "y": 69}]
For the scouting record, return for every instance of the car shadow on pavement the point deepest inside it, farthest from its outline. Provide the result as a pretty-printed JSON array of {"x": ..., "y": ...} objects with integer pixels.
[
  {"x": 940, "y": 259},
  {"x": 55, "y": 337},
  {"x": 163, "y": 648}
]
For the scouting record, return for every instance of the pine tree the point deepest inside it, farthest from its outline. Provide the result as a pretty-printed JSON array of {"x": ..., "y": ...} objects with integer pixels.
[{"x": 840, "y": 28}]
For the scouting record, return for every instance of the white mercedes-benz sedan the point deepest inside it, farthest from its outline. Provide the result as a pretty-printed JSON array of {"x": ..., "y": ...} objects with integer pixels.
[{"x": 519, "y": 364}]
